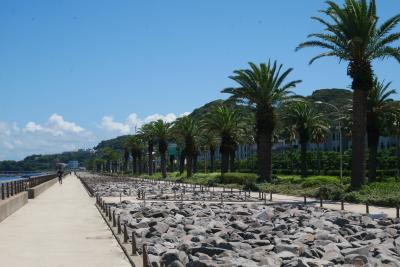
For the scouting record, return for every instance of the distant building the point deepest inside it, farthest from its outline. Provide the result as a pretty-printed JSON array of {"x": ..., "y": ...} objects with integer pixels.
[{"x": 73, "y": 165}]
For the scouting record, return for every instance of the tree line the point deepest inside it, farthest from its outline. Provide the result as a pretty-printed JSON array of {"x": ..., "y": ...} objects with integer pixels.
[{"x": 262, "y": 107}]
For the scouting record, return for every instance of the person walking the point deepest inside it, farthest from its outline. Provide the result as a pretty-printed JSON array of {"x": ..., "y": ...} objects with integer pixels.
[{"x": 60, "y": 176}]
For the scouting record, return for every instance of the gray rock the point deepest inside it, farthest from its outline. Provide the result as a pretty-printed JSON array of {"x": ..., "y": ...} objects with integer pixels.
[
  {"x": 332, "y": 254},
  {"x": 174, "y": 255}
]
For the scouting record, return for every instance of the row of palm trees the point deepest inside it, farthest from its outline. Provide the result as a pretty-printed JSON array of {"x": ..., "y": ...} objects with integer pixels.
[
  {"x": 352, "y": 34},
  {"x": 228, "y": 125}
]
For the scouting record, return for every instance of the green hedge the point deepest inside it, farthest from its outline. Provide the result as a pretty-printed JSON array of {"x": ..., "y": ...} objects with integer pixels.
[{"x": 239, "y": 178}]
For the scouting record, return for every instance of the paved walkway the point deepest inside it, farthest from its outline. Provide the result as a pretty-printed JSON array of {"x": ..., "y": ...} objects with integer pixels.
[{"x": 61, "y": 227}]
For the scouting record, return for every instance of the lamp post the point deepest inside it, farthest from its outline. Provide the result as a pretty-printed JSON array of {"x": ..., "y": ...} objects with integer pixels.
[{"x": 340, "y": 136}]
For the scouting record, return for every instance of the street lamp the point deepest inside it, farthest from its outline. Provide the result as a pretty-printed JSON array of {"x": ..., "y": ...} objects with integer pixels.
[{"x": 340, "y": 137}]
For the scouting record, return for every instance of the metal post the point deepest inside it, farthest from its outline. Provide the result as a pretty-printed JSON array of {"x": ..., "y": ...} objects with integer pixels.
[
  {"x": 113, "y": 217},
  {"x": 134, "y": 247},
  {"x": 305, "y": 200},
  {"x": 2, "y": 192},
  {"x": 145, "y": 256},
  {"x": 367, "y": 208},
  {"x": 119, "y": 224},
  {"x": 342, "y": 204},
  {"x": 109, "y": 213},
  {"x": 341, "y": 156},
  {"x": 125, "y": 234},
  {"x": 320, "y": 201},
  {"x": 397, "y": 212}
]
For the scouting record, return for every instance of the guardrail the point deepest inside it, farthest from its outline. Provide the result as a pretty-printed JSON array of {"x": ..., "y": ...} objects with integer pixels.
[
  {"x": 35, "y": 181},
  {"x": 12, "y": 188},
  {"x": 9, "y": 189}
]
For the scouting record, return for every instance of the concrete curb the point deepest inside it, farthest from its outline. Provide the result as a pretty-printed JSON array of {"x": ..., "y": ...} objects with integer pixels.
[
  {"x": 134, "y": 260},
  {"x": 37, "y": 190},
  {"x": 12, "y": 204}
]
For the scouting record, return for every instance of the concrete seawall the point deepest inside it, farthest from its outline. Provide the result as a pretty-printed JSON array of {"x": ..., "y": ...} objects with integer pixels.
[
  {"x": 12, "y": 204},
  {"x": 37, "y": 190}
]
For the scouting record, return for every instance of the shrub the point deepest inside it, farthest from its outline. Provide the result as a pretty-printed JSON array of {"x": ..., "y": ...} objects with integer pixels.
[
  {"x": 320, "y": 181},
  {"x": 239, "y": 178}
]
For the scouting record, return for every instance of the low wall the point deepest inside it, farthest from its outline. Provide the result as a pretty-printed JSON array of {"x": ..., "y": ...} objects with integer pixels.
[
  {"x": 12, "y": 204},
  {"x": 37, "y": 190}
]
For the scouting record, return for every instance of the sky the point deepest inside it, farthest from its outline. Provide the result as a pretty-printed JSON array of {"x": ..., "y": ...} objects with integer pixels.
[{"x": 73, "y": 73}]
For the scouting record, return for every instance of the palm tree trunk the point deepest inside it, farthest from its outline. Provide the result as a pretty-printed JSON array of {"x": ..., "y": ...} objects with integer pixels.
[
  {"x": 134, "y": 162},
  {"x": 224, "y": 150},
  {"x": 171, "y": 163},
  {"x": 358, "y": 137},
  {"x": 189, "y": 166},
  {"x": 182, "y": 162},
  {"x": 163, "y": 164},
  {"x": 373, "y": 141},
  {"x": 150, "y": 163},
  {"x": 140, "y": 163},
  {"x": 319, "y": 158},
  {"x": 224, "y": 162},
  {"x": 212, "y": 159},
  {"x": 232, "y": 157},
  {"x": 303, "y": 158},
  {"x": 398, "y": 155},
  {"x": 265, "y": 126}
]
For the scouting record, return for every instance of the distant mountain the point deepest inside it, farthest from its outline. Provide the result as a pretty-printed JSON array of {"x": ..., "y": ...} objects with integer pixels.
[
  {"x": 336, "y": 97},
  {"x": 45, "y": 162},
  {"x": 115, "y": 143}
]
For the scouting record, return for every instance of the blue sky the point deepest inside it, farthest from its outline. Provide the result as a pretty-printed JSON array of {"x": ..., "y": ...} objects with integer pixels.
[{"x": 75, "y": 72}]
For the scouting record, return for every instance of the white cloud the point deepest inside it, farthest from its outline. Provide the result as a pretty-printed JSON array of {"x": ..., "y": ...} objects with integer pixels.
[
  {"x": 33, "y": 127},
  {"x": 58, "y": 122},
  {"x": 56, "y": 125},
  {"x": 56, "y": 134},
  {"x": 53, "y": 136},
  {"x": 133, "y": 122},
  {"x": 109, "y": 124}
]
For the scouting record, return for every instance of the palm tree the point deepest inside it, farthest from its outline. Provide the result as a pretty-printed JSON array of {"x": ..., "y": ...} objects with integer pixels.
[
  {"x": 319, "y": 135},
  {"x": 111, "y": 157},
  {"x": 263, "y": 87},
  {"x": 126, "y": 147},
  {"x": 352, "y": 35},
  {"x": 187, "y": 130},
  {"x": 380, "y": 108},
  {"x": 225, "y": 121},
  {"x": 304, "y": 119},
  {"x": 288, "y": 133},
  {"x": 210, "y": 142},
  {"x": 147, "y": 133},
  {"x": 162, "y": 135},
  {"x": 135, "y": 145}
]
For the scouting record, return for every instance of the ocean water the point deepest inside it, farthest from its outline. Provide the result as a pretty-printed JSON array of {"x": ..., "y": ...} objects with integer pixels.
[
  {"x": 4, "y": 179},
  {"x": 9, "y": 178}
]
